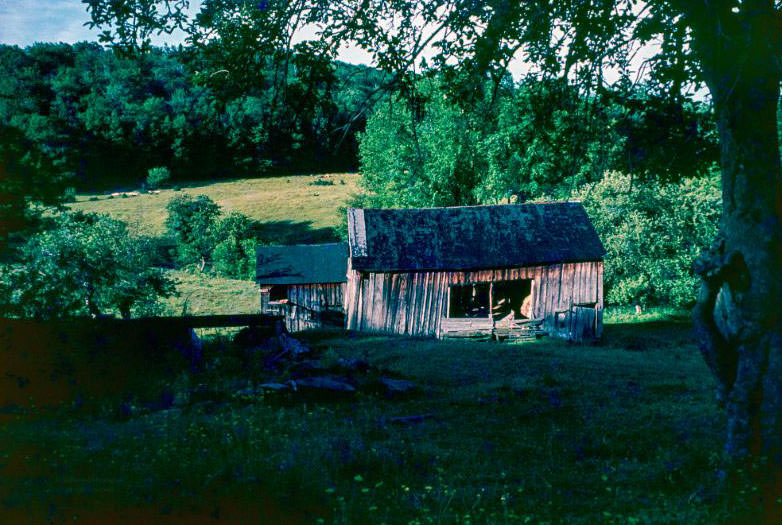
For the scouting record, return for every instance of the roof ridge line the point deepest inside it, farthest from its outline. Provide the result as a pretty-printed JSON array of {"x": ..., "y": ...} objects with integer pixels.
[{"x": 572, "y": 201}]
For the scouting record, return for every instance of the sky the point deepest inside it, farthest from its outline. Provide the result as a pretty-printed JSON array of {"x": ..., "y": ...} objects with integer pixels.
[{"x": 24, "y": 22}]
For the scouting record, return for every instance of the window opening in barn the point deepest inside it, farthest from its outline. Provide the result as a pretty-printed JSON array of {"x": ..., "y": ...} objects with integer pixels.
[
  {"x": 512, "y": 300},
  {"x": 278, "y": 294},
  {"x": 469, "y": 301}
]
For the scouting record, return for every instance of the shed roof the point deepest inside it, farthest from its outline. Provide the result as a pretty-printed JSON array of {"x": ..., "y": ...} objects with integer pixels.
[
  {"x": 301, "y": 264},
  {"x": 471, "y": 237}
]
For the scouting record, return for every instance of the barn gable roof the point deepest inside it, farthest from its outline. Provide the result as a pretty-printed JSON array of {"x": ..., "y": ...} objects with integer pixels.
[
  {"x": 471, "y": 237},
  {"x": 301, "y": 264}
]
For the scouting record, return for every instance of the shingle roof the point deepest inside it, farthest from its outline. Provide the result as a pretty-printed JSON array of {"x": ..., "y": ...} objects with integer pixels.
[
  {"x": 301, "y": 264},
  {"x": 471, "y": 237}
]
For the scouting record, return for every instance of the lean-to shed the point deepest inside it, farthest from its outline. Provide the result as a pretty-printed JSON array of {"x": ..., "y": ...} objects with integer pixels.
[
  {"x": 305, "y": 283},
  {"x": 503, "y": 271}
]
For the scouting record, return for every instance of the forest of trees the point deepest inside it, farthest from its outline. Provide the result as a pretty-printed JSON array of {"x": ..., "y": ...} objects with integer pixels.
[{"x": 103, "y": 120}]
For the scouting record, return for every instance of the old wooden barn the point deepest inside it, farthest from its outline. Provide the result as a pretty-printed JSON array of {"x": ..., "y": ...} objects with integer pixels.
[
  {"x": 305, "y": 283},
  {"x": 505, "y": 271}
]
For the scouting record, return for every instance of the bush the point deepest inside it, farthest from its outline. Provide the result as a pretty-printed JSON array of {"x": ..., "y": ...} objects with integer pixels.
[
  {"x": 653, "y": 233},
  {"x": 192, "y": 222},
  {"x": 69, "y": 195},
  {"x": 158, "y": 177},
  {"x": 84, "y": 264},
  {"x": 234, "y": 253},
  {"x": 204, "y": 238}
]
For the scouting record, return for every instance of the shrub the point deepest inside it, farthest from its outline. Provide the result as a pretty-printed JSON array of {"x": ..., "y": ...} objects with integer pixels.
[
  {"x": 158, "y": 177},
  {"x": 202, "y": 237},
  {"x": 234, "y": 253},
  {"x": 84, "y": 264},
  {"x": 653, "y": 233},
  {"x": 69, "y": 195},
  {"x": 192, "y": 223}
]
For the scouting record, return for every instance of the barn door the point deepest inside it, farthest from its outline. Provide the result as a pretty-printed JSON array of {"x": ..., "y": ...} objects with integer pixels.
[{"x": 582, "y": 323}]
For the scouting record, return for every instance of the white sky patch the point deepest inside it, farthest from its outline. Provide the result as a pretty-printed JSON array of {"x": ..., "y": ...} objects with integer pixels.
[
  {"x": 25, "y": 22},
  {"x": 350, "y": 54}
]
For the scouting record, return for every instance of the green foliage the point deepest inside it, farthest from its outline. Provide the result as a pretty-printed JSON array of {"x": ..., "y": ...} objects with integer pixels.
[
  {"x": 653, "y": 232},
  {"x": 234, "y": 253},
  {"x": 426, "y": 154},
  {"x": 192, "y": 223},
  {"x": 84, "y": 108},
  {"x": 537, "y": 139},
  {"x": 27, "y": 182},
  {"x": 129, "y": 25},
  {"x": 158, "y": 177},
  {"x": 204, "y": 238},
  {"x": 84, "y": 264},
  {"x": 548, "y": 141}
]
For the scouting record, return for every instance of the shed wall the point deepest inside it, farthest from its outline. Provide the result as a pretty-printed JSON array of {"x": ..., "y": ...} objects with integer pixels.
[
  {"x": 306, "y": 304},
  {"x": 413, "y": 303}
]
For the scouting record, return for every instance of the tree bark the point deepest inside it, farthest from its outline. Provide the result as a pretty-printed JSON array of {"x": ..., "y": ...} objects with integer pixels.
[{"x": 738, "y": 312}]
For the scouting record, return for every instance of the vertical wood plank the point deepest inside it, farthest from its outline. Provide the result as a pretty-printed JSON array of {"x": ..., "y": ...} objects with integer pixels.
[
  {"x": 441, "y": 287},
  {"x": 430, "y": 316},
  {"x": 402, "y": 306},
  {"x": 426, "y": 304},
  {"x": 366, "y": 283},
  {"x": 424, "y": 289}
]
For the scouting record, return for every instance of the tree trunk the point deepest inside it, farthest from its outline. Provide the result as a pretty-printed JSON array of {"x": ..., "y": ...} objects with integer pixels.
[{"x": 738, "y": 312}]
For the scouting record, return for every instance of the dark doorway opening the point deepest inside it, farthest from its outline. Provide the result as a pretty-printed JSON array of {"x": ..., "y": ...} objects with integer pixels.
[
  {"x": 278, "y": 293},
  {"x": 512, "y": 299},
  {"x": 469, "y": 301}
]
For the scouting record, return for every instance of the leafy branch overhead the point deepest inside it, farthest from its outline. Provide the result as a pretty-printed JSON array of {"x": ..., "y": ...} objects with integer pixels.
[{"x": 129, "y": 26}]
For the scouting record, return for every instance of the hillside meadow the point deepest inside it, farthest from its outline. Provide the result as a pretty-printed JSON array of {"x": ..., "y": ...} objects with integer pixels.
[
  {"x": 293, "y": 202},
  {"x": 626, "y": 431}
]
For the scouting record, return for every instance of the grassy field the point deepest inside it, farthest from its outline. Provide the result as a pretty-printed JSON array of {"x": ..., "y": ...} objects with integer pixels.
[
  {"x": 546, "y": 432},
  {"x": 201, "y": 294},
  {"x": 296, "y": 202}
]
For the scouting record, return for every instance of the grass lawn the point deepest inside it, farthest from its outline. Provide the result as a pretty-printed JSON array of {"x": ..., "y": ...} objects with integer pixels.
[
  {"x": 295, "y": 206},
  {"x": 544, "y": 432},
  {"x": 201, "y": 294}
]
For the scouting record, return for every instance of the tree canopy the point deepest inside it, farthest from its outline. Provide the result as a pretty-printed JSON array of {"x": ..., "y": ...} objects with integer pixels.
[{"x": 99, "y": 119}]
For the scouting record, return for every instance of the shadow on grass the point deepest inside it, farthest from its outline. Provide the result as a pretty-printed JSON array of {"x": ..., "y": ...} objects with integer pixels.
[
  {"x": 647, "y": 335},
  {"x": 293, "y": 232}
]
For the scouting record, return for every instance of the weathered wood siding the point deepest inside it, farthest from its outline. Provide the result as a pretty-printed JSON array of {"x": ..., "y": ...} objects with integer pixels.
[
  {"x": 414, "y": 303},
  {"x": 306, "y": 304}
]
